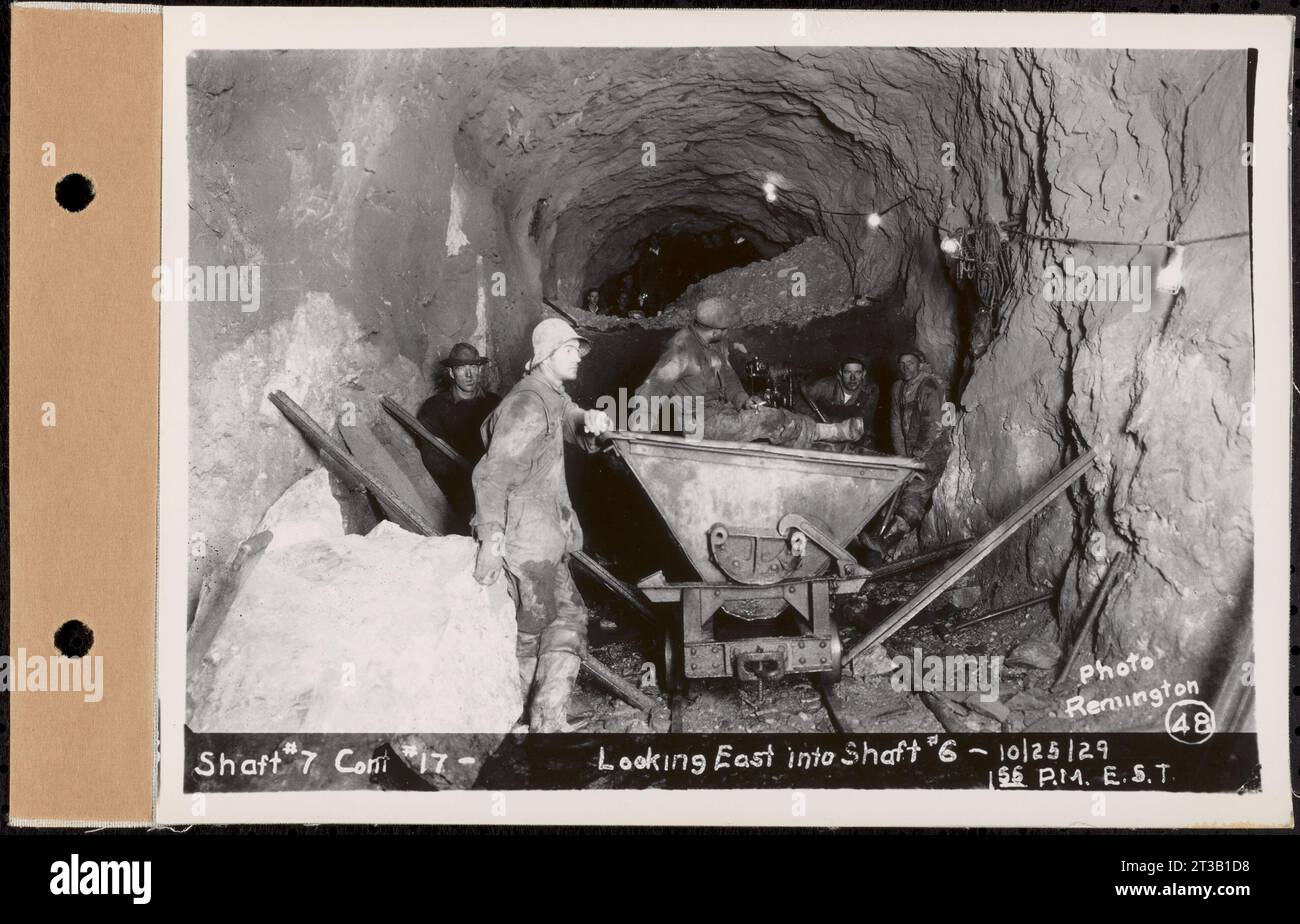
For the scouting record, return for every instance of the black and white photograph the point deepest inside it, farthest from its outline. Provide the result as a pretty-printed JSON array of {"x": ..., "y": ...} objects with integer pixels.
[{"x": 861, "y": 417}]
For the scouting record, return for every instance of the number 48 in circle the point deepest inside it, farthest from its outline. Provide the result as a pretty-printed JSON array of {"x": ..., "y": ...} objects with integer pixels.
[{"x": 1190, "y": 721}]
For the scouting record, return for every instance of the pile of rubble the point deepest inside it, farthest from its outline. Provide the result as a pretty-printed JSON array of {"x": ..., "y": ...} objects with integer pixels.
[{"x": 343, "y": 633}]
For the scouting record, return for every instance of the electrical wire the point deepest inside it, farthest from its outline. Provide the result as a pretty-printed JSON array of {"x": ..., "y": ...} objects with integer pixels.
[
  {"x": 1079, "y": 240},
  {"x": 1030, "y": 235}
]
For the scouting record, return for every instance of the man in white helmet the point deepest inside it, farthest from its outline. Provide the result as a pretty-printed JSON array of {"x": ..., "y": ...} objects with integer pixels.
[
  {"x": 525, "y": 522},
  {"x": 696, "y": 364}
]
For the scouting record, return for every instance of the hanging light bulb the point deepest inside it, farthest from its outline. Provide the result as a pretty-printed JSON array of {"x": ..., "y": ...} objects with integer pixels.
[
  {"x": 873, "y": 220},
  {"x": 950, "y": 245},
  {"x": 769, "y": 191},
  {"x": 1170, "y": 278}
]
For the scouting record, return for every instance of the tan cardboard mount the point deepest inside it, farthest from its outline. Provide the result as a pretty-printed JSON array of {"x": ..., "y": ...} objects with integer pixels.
[{"x": 83, "y": 329}]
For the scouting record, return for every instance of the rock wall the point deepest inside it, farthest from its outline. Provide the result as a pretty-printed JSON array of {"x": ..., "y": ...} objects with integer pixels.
[
  {"x": 335, "y": 173},
  {"x": 1132, "y": 147}
]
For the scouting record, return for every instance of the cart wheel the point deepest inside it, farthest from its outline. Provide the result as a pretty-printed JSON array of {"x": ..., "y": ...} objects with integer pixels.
[
  {"x": 837, "y": 655},
  {"x": 672, "y": 663}
]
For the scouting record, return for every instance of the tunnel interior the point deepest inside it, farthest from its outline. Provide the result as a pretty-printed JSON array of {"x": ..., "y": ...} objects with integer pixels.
[
  {"x": 665, "y": 263},
  {"x": 820, "y": 189}
]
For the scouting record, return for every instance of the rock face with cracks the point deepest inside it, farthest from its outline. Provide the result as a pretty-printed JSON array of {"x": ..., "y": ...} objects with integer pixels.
[
  {"x": 383, "y": 633},
  {"x": 404, "y": 200}
]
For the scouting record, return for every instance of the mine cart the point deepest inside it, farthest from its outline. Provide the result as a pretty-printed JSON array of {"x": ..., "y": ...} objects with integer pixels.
[{"x": 764, "y": 528}]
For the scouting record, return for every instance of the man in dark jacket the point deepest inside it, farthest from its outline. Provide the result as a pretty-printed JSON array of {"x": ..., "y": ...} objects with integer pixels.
[
  {"x": 455, "y": 414},
  {"x": 849, "y": 393},
  {"x": 525, "y": 522}
]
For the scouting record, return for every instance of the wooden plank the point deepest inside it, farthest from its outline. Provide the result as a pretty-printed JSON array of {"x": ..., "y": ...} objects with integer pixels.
[
  {"x": 1004, "y": 611},
  {"x": 334, "y": 455},
  {"x": 411, "y": 423},
  {"x": 407, "y": 457},
  {"x": 1113, "y": 572},
  {"x": 916, "y": 561},
  {"x": 372, "y": 455},
  {"x": 974, "y": 555},
  {"x": 214, "y": 606},
  {"x": 594, "y": 569},
  {"x": 616, "y": 684}
]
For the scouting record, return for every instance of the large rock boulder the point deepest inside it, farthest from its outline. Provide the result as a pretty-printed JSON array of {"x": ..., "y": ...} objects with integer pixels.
[
  {"x": 307, "y": 511},
  {"x": 383, "y": 633}
]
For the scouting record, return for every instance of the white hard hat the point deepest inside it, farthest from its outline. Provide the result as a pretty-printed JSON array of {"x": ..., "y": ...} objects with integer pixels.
[{"x": 550, "y": 335}]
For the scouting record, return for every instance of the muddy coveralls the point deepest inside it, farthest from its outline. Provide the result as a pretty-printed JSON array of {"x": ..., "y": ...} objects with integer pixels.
[
  {"x": 520, "y": 490},
  {"x": 916, "y": 424},
  {"x": 691, "y": 368}
]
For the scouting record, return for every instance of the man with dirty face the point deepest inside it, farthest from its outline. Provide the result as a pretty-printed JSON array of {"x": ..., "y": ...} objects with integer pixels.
[
  {"x": 848, "y": 393},
  {"x": 525, "y": 522},
  {"x": 696, "y": 364},
  {"x": 456, "y": 413}
]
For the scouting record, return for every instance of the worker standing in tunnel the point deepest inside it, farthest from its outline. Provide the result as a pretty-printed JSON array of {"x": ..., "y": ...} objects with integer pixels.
[
  {"x": 455, "y": 414},
  {"x": 921, "y": 432},
  {"x": 696, "y": 363},
  {"x": 525, "y": 522},
  {"x": 848, "y": 393}
]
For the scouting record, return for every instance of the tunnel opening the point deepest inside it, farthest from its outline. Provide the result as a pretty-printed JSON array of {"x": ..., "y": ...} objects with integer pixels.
[{"x": 662, "y": 265}]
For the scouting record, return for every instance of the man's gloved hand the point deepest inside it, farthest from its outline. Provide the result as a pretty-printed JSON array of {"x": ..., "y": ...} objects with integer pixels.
[
  {"x": 596, "y": 422},
  {"x": 487, "y": 566}
]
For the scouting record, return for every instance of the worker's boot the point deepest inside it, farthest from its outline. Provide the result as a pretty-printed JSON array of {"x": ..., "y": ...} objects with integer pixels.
[
  {"x": 556, "y": 672},
  {"x": 846, "y": 431}
]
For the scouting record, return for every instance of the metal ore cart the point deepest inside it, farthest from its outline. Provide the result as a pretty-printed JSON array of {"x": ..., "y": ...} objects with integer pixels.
[{"x": 764, "y": 527}]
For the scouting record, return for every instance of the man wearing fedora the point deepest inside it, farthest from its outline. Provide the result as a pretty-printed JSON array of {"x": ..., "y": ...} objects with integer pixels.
[
  {"x": 456, "y": 413},
  {"x": 525, "y": 522}
]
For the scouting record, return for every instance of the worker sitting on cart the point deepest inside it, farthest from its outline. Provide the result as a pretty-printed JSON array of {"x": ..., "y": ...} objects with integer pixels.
[
  {"x": 696, "y": 364},
  {"x": 525, "y": 522},
  {"x": 848, "y": 393}
]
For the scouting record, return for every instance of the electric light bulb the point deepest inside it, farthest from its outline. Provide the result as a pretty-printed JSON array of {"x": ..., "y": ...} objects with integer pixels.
[
  {"x": 950, "y": 245},
  {"x": 873, "y": 220},
  {"x": 769, "y": 191}
]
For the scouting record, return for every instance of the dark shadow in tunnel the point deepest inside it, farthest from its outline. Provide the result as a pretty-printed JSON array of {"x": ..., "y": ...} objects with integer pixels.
[{"x": 667, "y": 262}]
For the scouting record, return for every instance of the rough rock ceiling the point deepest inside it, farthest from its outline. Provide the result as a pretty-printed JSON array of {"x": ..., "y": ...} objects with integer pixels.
[{"x": 836, "y": 130}]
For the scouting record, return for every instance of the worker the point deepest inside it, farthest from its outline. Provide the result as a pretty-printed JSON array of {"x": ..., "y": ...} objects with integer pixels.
[
  {"x": 455, "y": 414},
  {"x": 696, "y": 364},
  {"x": 525, "y": 522},
  {"x": 848, "y": 393},
  {"x": 921, "y": 431},
  {"x": 623, "y": 298}
]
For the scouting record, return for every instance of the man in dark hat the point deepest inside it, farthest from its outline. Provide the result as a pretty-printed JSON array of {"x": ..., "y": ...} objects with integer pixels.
[
  {"x": 848, "y": 393},
  {"x": 455, "y": 413}
]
